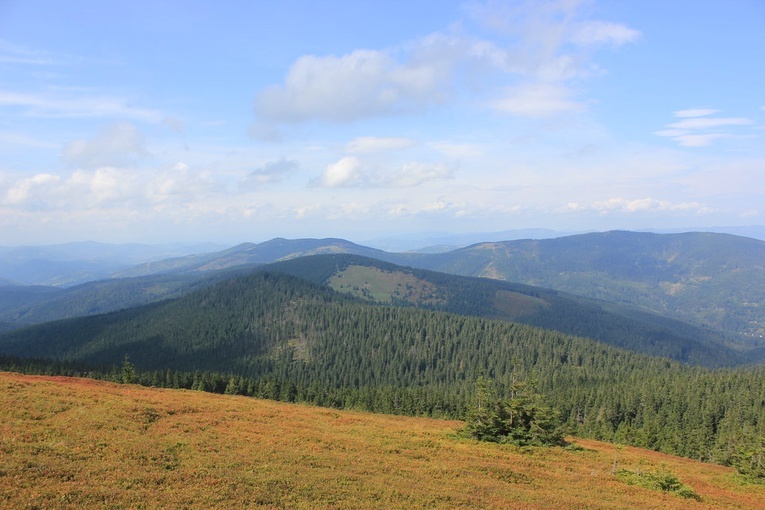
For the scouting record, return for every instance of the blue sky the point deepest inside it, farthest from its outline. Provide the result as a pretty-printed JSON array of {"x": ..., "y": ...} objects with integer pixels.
[{"x": 237, "y": 121}]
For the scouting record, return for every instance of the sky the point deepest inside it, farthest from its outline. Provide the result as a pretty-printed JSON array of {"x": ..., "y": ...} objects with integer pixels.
[{"x": 232, "y": 121}]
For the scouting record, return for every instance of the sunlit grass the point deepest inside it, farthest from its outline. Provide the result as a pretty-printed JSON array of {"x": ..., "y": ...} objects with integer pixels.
[{"x": 77, "y": 443}]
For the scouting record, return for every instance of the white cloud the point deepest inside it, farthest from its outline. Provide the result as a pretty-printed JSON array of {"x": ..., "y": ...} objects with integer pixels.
[
  {"x": 180, "y": 184},
  {"x": 693, "y": 129},
  {"x": 538, "y": 100},
  {"x": 108, "y": 184},
  {"x": 710, "y": 122},
  {"x": 414, "y": 174},
  {"x": 546, "y": 44},
  {"x": 603, "y": 32},
  {"x": 695, "y": 112},
  {"x": 363, "y": 83},
  {"x": 29, "y": 190},
  {"x": 353, "y": 172},
  {"x": 548, "y": 34},
  {"x": 271, "y": 172},
  {"x": 623, "y": 205},
  {"x": 176, "y": 190},
  {"x": 343, "y": 174},
  {"x": 372, "y": 144},
  {"x": 549, "y": 44},
  {"x": 699, "y": 140},
  {"x": 118, "y": 144},
  {"x": 671, "y": 133}
]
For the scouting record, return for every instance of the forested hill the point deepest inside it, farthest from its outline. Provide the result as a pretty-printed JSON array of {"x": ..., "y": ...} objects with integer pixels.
[
  {"x": 715, "y": 280},
  {"x": 279, "y": 336},
  {"x": 382, "y": 282},
  {"x": 610, "y": 323},
  {"x": 710, "y": 279}
]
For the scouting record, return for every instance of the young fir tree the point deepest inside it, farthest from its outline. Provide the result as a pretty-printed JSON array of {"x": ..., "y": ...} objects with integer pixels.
[
  {"x": 523, "y": 419},
  {"x": 127, "y": 375}
]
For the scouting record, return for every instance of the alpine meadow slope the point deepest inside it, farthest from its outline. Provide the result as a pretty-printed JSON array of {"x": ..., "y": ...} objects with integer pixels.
[{"x": 78, "y": 443}]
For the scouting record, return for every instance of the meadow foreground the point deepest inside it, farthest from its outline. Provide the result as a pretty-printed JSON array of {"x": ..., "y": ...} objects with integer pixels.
[{"x": 80, "y": 443}]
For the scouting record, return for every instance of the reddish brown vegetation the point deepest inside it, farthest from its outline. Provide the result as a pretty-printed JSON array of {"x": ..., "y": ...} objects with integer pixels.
[{"x": 78, "y": 443}]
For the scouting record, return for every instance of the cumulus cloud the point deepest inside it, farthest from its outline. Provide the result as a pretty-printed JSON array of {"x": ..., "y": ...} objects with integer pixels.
[
  {"x": 693, "y": 130},
  {"x": 363, "y": 83},
  {"x": 271, "y": 172},
  {"x": 83, "y": 189},
  {"x": 550, "y": 43},
  {"x": 118, "y": 144},
  {"x": 344, "y": 174},
  {"x": 180, "y": 183},
  {"x": 30, "y": 190},
  {"x": 351, "y": 172},
  {"x": 545, "y": 44},
  {"x": 547, "y": 33},
  {"x": 107, "y": 189}
]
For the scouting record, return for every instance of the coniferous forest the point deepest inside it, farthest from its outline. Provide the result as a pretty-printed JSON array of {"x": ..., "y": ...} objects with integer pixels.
[{"x": 277, "y": 336}]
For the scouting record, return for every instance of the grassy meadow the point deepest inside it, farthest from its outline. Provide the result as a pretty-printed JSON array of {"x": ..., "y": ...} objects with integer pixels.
[{"x": 80, "y": 443}]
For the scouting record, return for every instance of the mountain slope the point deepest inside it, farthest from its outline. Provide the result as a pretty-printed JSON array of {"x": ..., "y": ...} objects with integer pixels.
[
  {"x": 136, "y": 447},
  {"x": 25, "y": 305},
  {"x": 610, "y": 323},
  {"x": 714, "y": 280},
  {"x": 387, "y": 283}
]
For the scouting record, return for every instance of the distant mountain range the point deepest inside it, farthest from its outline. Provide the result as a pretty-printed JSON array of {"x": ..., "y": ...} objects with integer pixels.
[
  {"x": 74, "y": 263},
  {"x": 712, "y": 280},
  {"x": 436, "y": 242},
  {"x": 713, "y": 283}
]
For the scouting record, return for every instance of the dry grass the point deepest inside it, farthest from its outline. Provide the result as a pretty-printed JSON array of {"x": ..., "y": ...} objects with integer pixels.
[{"x": 78, "y": 443}]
